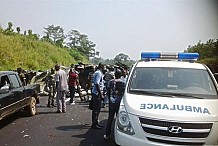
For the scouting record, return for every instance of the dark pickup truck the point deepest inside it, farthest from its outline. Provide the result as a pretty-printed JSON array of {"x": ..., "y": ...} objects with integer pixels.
[{"x": 15, "y": 97}]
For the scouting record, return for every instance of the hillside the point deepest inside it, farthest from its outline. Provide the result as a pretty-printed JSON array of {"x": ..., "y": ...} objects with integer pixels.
[{"x": 21, "y": 51}]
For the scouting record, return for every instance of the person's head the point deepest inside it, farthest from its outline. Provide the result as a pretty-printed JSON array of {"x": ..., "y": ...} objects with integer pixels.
[
  {"x": 110, "y": 68},
  {"x": 57, "y": 67},
  {"x": 118, "y": 73},
  {"x": 92, "y": 68},
  {"x": 19, "y": 70},
  {"x": 81, "y": 68},
  {"x": 124, "y": 72},
  {"x": 52, "y": 71},
  {"x": 101, "y": 66}
]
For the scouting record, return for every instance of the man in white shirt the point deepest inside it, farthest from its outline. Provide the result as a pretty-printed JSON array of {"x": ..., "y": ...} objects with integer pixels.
[{"x": 61, "y": 88}]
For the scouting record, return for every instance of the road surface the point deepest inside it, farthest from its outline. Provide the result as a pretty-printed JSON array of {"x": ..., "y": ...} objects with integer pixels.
[{"x": 48, "y": 128}]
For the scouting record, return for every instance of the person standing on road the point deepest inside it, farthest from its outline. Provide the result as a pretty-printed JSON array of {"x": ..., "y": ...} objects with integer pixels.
[
  {"x": 61, "y": 87},
  {"x": 115, "y": 93},
  {"x": 97, "y": 96},
  {"x": 73, "y": 82},
  {"x": 50, "y": 81},
  {"x": 90, "y": 79},
  {"x": 109, "y": 75}
]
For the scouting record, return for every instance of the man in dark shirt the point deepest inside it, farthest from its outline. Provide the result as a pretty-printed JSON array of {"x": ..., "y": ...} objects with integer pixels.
[{"x": 115, "y": 93}]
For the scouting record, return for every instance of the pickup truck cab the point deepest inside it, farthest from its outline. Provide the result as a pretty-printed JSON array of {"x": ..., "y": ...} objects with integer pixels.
[
  {"x": 14, "y": 96},
  {"x": 169, "y": 99}
]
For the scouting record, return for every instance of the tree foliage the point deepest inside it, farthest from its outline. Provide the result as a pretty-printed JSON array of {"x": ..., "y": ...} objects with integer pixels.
[
  {"x": 121, "y": 57},
  {"x": 73, "y": 37},
  {"x": 21, "y": 51},
  {"x": 18, "y": 30},
  {"x": 9, "y": 30},
  {"x": 55, "y": 33},
  {"x": 208, "y": 51},
  {"x": 42, "y": 54},
  {"x": 80, "y": 42}
]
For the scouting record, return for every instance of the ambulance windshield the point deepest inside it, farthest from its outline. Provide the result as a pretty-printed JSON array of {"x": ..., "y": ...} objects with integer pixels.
[{"x": 194, "y": 82}]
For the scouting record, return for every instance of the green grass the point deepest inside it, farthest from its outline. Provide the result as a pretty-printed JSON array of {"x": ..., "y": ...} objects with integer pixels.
[{"x": 20, "y": 51}]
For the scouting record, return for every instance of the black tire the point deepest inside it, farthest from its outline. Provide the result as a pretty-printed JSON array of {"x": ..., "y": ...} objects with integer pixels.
[{"x": 31, "y": 108}]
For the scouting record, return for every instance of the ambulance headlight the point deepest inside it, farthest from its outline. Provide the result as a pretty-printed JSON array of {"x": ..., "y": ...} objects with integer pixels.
[
  {"x": 123, "y": 122},
  {"x": 124, "y": 119}
]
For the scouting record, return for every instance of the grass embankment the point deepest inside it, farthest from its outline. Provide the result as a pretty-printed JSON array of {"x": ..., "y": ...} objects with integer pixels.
[{"x": 21, "y": 51}]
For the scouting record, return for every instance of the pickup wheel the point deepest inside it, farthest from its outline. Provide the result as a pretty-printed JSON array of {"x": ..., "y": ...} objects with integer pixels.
[{"x": 31, "y": 108}]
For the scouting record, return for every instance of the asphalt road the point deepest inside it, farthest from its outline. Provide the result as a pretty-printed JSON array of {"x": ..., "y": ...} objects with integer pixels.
[{"x": 48, "y": 128}]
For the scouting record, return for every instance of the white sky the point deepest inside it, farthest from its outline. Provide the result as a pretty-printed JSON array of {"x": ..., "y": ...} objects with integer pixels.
[{"x": 116, "y": 26}]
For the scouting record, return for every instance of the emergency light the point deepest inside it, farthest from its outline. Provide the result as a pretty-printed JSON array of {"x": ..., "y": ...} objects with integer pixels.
[{"x": 178, "y": 56}]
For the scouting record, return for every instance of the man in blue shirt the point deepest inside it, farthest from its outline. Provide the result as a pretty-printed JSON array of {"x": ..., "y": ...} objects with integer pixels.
[{"x": 97, "y": 96}]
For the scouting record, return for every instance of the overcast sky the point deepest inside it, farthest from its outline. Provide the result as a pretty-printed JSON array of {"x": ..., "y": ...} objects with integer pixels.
[{"x": 128, "y": 27}]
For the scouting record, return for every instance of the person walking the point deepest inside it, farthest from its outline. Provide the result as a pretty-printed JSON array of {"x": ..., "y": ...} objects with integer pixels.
[
  {"x": 61, "y": 87},
  {"x": 115, "y": 93},
  {"x": 97, "y": 96},
  {"x": 73, "y": 82}
]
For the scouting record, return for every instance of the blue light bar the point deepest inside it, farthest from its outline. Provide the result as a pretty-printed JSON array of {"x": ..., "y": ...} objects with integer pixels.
[
  {"x": 188, "y": 56},
  {"x": 150, "y": 55},
  {"x": 177, "y": 56}
]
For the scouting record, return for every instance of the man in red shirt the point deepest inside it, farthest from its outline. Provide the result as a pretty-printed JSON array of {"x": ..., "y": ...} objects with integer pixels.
[{"x": 73, "y": 82}]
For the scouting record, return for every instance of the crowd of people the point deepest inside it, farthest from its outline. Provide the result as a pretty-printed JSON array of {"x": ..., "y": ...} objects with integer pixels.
[{"x": 106, "y": 84}]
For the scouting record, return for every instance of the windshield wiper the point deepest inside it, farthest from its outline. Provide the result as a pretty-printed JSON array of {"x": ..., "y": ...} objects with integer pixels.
[
  {"x": 163, "y": 94},
  {"x": 182, "y": 95},
  {"x": 140, "y": 91}
]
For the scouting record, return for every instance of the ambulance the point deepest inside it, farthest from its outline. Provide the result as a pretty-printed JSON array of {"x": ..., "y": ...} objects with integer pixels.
[{"x": 169, "y": 100}]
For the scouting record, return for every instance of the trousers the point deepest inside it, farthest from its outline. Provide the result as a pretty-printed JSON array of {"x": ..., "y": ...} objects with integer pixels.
[{"x": 96, "y": 108}]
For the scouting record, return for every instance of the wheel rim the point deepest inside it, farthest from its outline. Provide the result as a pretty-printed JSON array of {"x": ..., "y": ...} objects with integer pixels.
[{"x": 33, "y": 106}]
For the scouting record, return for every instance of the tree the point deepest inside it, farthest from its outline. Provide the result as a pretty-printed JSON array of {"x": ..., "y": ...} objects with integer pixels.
[
  {"x": 30, "y": 32},
  {"x": 73, "y": 36},
  {"x": 208, "y": 51},
  {"x": 121, "y": 57},
  {"x": 80, "y": 42},
  {"x": 46, "y": 38},
  {"x": 31, "y": 35},
  {"x": 56, "y": 33},
  {"x": 84, "y": 44},
  {"x": 18, "y": 30},
  {"x": 60, "y": 43},
  {"x": 9, "y": 30}
]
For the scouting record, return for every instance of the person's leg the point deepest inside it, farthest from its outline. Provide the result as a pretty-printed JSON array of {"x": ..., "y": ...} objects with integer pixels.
[
  {"x": 63, "y": 102},
  {"x": 79, "y": 90},
  {"x": 58, "y": 100},
  {"x": 53, "y": 95},
  {"x": 49, "y": 99},
  {"x": 99, "y": 108},
  {"x": 96, "y": 109},
  {"x": 71, "y": 94},
  {"x": 112, "y": 110},
  {"x": 117, "y": 109}
]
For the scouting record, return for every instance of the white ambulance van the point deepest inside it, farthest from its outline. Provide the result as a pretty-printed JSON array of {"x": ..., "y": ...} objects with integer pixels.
[{"x": 169, "y": 100}]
